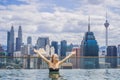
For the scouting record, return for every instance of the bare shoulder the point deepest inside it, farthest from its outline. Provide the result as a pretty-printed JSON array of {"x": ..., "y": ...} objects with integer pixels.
[{"x": 59, "y": 63}]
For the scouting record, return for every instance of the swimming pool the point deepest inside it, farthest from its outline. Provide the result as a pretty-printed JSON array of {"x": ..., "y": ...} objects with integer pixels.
[{"x": 66, "y": 74}]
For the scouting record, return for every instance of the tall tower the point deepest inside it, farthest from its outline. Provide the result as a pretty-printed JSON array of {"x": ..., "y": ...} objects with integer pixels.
[
  {"x": 89, "y": 47},
  {"x": 89, "y": 24},
  {"x": 20, "y": 34},
  {"x": 106, "y": 24},
  {"x": 55, "y": 45},
  {"x": 29, "y": 40},
  {"x": 63, "y": 48},
  {"x": 19, "y": 39},
  {"x": 10, "y": 41}
]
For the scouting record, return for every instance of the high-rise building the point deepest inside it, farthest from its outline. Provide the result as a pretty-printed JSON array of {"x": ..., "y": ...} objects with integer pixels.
[
  {"x": 19, "y": 39},
  {"x": 55, "y": 45},
  {"x": 63, "y": 48},
  {"x": 118, "y": 55},
  {"x": 2, "y": 53},
  {"x": 10, "y": 42},
  {"x": 89, "y": 47},
  {"x": 70, "y": 47},
  {"x": 27, "y": 49},
  {"x": 20, "y": 34},
  {"x": 1, "y": 49},
  {"x": 42, "y": 42},
  {"x": 111, "y": 56},
  {"x": 76, "y": 59},
  {"x": 29, "y": 40},
  {"x": 18, "y": 47}
]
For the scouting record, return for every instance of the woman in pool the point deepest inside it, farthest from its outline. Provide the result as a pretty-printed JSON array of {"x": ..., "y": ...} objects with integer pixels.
[{"x": 54, "y": 62}]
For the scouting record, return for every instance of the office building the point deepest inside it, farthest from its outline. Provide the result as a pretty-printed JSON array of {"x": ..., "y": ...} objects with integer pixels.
[
  {"x": 88, "y": 50},
  {"x": 63, "y": 48},
  {"x": 19, "y": 39},
  {"x": 10, "y": 41},
  {"x": 118, "y": 55},
  {"x": 42, "y": 42},
  {"x": 55, "y": 45},
  {"x": 1, "y": 49},
  {"x": 76, "y": 58},
  {"x": 111, "y": 56},
  {"x": 29, "y": 40}
]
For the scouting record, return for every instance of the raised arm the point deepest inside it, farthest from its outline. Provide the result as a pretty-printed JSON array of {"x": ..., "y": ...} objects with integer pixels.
[
  {"x": 70, "y": 55},
  {"x": 39, "y": 53}
]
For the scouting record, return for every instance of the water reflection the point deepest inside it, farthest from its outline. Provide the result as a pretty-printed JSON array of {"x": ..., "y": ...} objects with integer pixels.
[{"x": 56, "y": 76}]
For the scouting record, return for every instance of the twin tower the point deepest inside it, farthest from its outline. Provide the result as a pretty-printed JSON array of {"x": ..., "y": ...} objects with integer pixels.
[{"x": 10, "y": 41}]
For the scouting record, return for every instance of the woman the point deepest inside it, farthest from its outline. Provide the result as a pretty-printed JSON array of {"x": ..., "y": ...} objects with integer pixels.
[{"x": 54, "y": 63}]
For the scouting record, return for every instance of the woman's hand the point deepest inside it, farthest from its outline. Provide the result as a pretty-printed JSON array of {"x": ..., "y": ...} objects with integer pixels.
[
  {"x": 35, "y": 50},
  {"x": 41, "y": 50},
  {"x": 73, "y": 52}
]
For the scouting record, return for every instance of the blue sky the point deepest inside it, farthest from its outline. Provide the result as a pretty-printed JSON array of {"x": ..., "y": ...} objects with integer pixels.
[{"x": 60, "y": 19}]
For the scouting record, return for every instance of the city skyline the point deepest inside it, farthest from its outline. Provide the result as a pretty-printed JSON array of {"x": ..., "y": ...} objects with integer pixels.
[{"x": 60, "y": 19}]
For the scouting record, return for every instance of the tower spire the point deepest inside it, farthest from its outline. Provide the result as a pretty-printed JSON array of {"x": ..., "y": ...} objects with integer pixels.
[
  {"x": 12, "y": 28},
  {"x": 106, "y": 15},
  {"x": 106, "y": 24},
  {"x": 89, "y": 24}
]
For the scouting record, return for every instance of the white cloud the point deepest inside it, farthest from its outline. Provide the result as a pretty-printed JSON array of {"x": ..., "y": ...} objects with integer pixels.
[{"x": 58, "y": 22}]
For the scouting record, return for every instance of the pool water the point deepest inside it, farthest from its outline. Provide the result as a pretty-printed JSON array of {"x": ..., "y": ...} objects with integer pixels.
[{"x": 66, "y": 74}]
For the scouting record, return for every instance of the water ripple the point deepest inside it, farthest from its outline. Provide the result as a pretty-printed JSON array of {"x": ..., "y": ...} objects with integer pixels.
[{"x": 70, "y": 74}]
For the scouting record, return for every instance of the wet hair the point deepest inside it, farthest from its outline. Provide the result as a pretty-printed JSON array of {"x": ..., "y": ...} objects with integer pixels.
[
  {"x": 52, "y": 58},
  {"x": 53, "y": 55}
]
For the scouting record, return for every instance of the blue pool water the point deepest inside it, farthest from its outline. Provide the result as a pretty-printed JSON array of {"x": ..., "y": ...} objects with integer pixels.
[{"x": 66, "y": 74}]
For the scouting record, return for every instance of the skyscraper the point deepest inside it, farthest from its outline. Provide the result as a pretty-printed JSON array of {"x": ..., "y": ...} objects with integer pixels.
[
  {"x": 29, "y": 40},
  {"x": 118, "y": 50},
  {"x": 10, "y": 41},
  {"x": 1, "y": 49},
  {"x": 89, "y": 47},
  {"x": 112, "y": 56},
  {"x": 55, "y": 45},
  {"x": 20, "y": 34},
  {"x": 63, "y": 48},
  {"x": 42, "y": 42},
  {"x": 76, "y": 60},
  {"x": 19, "y": 39},
  {"x": 18, "y": 47},
  {"x": 106, "y": 24}
]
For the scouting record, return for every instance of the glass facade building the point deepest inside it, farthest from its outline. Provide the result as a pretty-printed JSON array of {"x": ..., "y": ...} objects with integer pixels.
[
  {"x": 89, "y": 48},
  {"x": 111, "y": 56},
  {"x": 63, "y": 48},
  {"x": 55, "y": 45}
]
